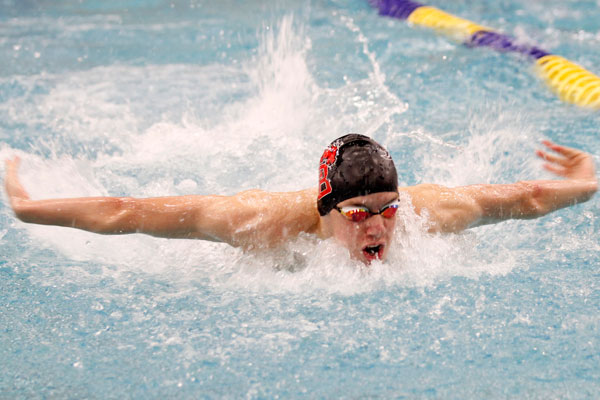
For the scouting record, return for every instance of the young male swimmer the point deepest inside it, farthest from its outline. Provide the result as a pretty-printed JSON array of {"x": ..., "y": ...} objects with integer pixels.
[{"x": 356, "y": 203}]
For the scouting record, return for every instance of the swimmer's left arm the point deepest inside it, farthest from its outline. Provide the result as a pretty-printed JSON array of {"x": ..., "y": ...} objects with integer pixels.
[{"x": 456, "y": 209}]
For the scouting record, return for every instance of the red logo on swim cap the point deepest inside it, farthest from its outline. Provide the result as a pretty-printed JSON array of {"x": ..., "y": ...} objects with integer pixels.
[
  {"x": 327, "y": 159},
  {"x": 328, "y": 156}
]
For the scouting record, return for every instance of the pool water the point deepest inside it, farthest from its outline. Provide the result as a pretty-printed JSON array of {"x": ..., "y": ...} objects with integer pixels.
[{"x": 153, "y": 98}]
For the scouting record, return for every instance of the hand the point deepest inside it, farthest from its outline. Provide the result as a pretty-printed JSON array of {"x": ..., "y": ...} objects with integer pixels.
[
  {"x": 14, "y": 189},
  {"x": 569, "y": 163}
]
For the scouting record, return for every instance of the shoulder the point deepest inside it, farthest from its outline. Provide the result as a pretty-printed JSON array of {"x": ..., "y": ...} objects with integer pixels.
[
  {"x": 274, "y": 217},
  {"x": 294, "y": 205},
  {"x": 422, "y": 189},
  {"x": 431, "y": 194},
  {"x": 425, "y": 195},
  {"x": 447, "y": 209}
]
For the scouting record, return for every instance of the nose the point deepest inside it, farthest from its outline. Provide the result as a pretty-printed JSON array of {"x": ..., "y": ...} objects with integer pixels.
[{"x": 375, "y": 226}]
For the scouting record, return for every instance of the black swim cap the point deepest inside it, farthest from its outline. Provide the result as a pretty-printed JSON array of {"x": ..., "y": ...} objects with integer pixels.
[{"x": 354, "y": 165}]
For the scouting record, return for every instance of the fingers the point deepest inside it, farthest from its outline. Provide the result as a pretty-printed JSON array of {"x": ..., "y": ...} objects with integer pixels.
[
  {"x": 14, "y": 189},
  {"x": 12, "y": 164},
  {"x": 562, "y": 150},
  {"x": 567, "y": 162},
  {"x": 560, "y": 171},
  {"x": 565, "y": 154},
  {"x": 550, "y": 157}
]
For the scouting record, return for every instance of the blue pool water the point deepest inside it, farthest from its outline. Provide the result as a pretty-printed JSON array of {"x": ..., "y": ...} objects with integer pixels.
[{"x": 152, "y": 98}]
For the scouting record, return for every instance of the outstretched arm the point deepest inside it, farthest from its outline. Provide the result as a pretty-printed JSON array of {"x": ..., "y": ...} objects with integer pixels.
[
  {"x": 249, "y": 219},
  {"x": 455, "y": 209}
]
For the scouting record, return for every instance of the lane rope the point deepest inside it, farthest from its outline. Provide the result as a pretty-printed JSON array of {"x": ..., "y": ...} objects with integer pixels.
[{"x": 571, "y": 82}]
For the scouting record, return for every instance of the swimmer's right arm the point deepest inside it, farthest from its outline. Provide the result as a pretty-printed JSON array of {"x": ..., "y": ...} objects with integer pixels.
[
  {"x": 168, "y": 217},
  {"x": 248, "y": 219}
]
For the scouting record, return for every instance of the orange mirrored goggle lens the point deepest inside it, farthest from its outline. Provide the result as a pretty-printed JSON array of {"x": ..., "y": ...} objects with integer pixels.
[{"x": 358, "y": 214}]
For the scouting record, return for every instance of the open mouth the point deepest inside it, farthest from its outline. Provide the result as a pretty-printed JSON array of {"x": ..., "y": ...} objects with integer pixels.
[{"x": 373, "y": 252}]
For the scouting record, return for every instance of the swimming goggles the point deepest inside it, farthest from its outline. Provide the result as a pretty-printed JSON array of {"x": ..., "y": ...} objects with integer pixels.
[{"x": 360, "y": 213}]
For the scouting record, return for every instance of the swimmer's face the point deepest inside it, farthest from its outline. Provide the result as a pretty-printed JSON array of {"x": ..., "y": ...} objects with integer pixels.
[{"x": 369, "y": 239}]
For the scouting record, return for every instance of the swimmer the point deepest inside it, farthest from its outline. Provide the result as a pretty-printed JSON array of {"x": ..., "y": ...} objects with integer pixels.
[{"x": 355, "y": 203}]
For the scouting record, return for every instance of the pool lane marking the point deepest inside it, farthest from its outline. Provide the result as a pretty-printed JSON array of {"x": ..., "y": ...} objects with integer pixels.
[{"x": 571, "y": 82}]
